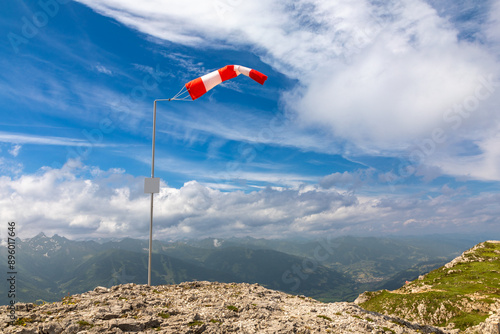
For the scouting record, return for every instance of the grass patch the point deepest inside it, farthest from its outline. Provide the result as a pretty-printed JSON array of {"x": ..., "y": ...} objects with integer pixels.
[
  {"x": 324, "y": 317},
  {"x": 434, "y": 301},
  {"x": 164, "y": 315},
  {"x": 22, "y": 321},
  {"x": 468, "y": 320},
  {"x": 83, "y": 323},
  {"x": 68, "y": 300},
  {"x": 195, "y": 323},
  {"x": 232, "y": 308},
  {"x": 387, "y": 329}
]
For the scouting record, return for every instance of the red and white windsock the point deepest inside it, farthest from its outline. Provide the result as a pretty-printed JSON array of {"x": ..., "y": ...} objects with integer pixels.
[{"x": 201, "y": 85}]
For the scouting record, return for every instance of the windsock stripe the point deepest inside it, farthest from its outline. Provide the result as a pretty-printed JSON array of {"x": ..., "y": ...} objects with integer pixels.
[
  {"x": 228, "y": 72},
  {"x": 196, "y": 88},
  {"x": 211, "y": 80},
  {"x": 243, "y": 70},
  {"x": 257, "y": 76}
]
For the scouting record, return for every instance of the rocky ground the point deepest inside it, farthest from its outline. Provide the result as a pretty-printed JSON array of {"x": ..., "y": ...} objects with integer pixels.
[{"x": 198, "y": 307}]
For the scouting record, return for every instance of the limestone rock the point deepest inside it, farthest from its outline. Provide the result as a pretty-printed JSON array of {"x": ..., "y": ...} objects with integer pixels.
[{"x": 199, "y": 307}]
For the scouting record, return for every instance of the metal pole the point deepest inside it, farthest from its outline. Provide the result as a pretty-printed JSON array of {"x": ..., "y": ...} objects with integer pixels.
[{"x": 152, "y": 194}]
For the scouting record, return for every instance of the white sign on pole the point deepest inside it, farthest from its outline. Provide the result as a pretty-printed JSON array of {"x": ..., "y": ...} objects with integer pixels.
[{"x": 152, "y": 185}]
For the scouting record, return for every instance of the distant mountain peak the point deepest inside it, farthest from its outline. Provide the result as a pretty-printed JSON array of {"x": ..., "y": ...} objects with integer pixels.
[
  {"x": 40, "y": 235},
  {"x": 45, "y": 245}
]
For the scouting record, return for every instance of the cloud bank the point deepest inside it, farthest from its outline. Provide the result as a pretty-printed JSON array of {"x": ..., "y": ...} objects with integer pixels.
[{"x": 80, "y": 201}]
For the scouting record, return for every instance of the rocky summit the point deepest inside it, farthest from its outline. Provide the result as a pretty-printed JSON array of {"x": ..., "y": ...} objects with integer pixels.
[{"x": 198, "y": 307}]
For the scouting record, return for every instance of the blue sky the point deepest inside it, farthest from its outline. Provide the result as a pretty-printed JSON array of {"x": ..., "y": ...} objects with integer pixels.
[{"x": 376, "y": 119}]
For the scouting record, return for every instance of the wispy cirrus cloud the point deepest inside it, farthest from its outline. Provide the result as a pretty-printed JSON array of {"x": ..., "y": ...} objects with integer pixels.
[
  {"x": 17, "y": 138},
  {"x": 103, "y": 69},
  {"x": 14, "y": 151}
]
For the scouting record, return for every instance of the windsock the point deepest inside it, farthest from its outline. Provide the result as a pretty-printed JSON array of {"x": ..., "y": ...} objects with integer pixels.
[{"x": 201, "y": 85}]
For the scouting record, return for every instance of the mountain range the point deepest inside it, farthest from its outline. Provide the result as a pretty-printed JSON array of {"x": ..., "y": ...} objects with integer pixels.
[
  {"x": 329, "y": 269},
  {"x": 462, "y": 296}
]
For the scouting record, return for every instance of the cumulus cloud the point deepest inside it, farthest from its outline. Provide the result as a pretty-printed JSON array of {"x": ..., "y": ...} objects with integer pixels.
[
  {"x": 71, "y": 200},
  {"x": 347, "y": 180},
  {"x": 493, "y": 27},
  {"x": 81, "y": 201},
  {"x": 10, "y": 166},
  {"x": 399, "y": 87}
]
